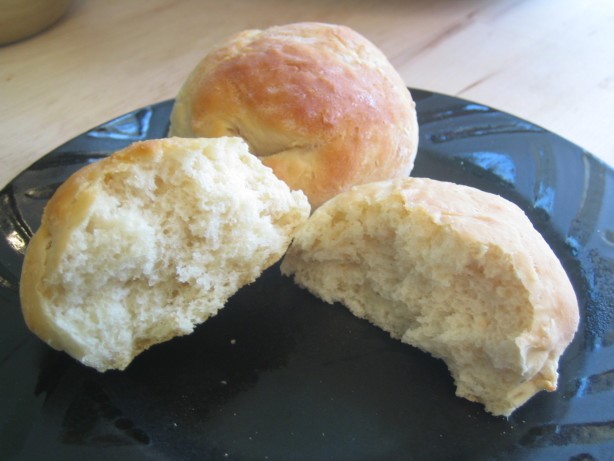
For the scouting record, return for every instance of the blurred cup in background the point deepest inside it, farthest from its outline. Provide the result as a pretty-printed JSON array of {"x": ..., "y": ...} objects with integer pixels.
[{"x": 21, "y": 19}]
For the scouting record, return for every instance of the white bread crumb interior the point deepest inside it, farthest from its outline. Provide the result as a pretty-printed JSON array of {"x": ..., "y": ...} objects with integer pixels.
[
  {"x": 145, "y": 244},
  {"x": 457, "y": 272}
]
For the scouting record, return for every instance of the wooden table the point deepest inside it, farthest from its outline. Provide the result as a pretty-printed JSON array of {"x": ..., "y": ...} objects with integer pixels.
[{"x": 548, "y": 61}]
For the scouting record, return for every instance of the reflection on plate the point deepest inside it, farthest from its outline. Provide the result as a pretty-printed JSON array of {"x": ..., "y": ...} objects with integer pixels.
[{"x": 280, "y": 375}]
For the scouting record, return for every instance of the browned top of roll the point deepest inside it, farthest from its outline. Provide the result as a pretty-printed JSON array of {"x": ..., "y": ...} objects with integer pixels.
[{"x": 318, "y": 103}]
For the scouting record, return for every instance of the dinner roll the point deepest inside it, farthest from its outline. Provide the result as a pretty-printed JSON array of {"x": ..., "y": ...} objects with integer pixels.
[
  {"x": 145, "y": 244},
  {"x": 318, "y": 103},
  {"x": 457, "y": 272}
]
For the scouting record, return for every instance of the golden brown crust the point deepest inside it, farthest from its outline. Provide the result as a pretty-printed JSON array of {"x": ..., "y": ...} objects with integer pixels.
[{"x": 318, "y": 103}]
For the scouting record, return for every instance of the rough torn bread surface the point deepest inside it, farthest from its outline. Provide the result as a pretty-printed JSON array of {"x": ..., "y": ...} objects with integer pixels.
[
  {"x": 145, "y": 244},
  {"x": 457, "y": 272},
  {"x": 318, "y": 103}
]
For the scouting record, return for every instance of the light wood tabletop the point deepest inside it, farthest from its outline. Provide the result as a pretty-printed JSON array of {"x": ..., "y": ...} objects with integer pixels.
[{"x": 548, "y": 61}]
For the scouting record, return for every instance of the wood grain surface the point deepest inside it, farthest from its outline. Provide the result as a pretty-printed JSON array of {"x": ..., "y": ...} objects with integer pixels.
[{"x": 548, "y": 61}]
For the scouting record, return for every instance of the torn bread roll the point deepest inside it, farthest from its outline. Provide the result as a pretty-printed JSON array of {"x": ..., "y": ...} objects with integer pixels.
[
  {"x": 146, "y": 244},
  {"x": 457, "y": 272},
  {"x": 318, "y": 103}
]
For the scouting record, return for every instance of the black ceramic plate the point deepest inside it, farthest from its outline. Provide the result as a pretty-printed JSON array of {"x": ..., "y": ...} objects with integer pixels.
[{"x": 279, "y": 375}]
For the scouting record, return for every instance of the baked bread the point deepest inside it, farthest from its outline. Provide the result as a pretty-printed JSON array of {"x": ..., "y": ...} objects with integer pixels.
[
  {"x": 457, "y": 272},
  {"x": 147, "y": 243},
  {"x": 318, "y": 103}
]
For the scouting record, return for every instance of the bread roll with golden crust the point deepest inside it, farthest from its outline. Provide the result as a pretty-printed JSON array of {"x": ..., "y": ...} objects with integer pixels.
[
  {"x": 457, "y": 272},
  {"x": 318, "y": 103},
  {"x": 146, "y": 244}
]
